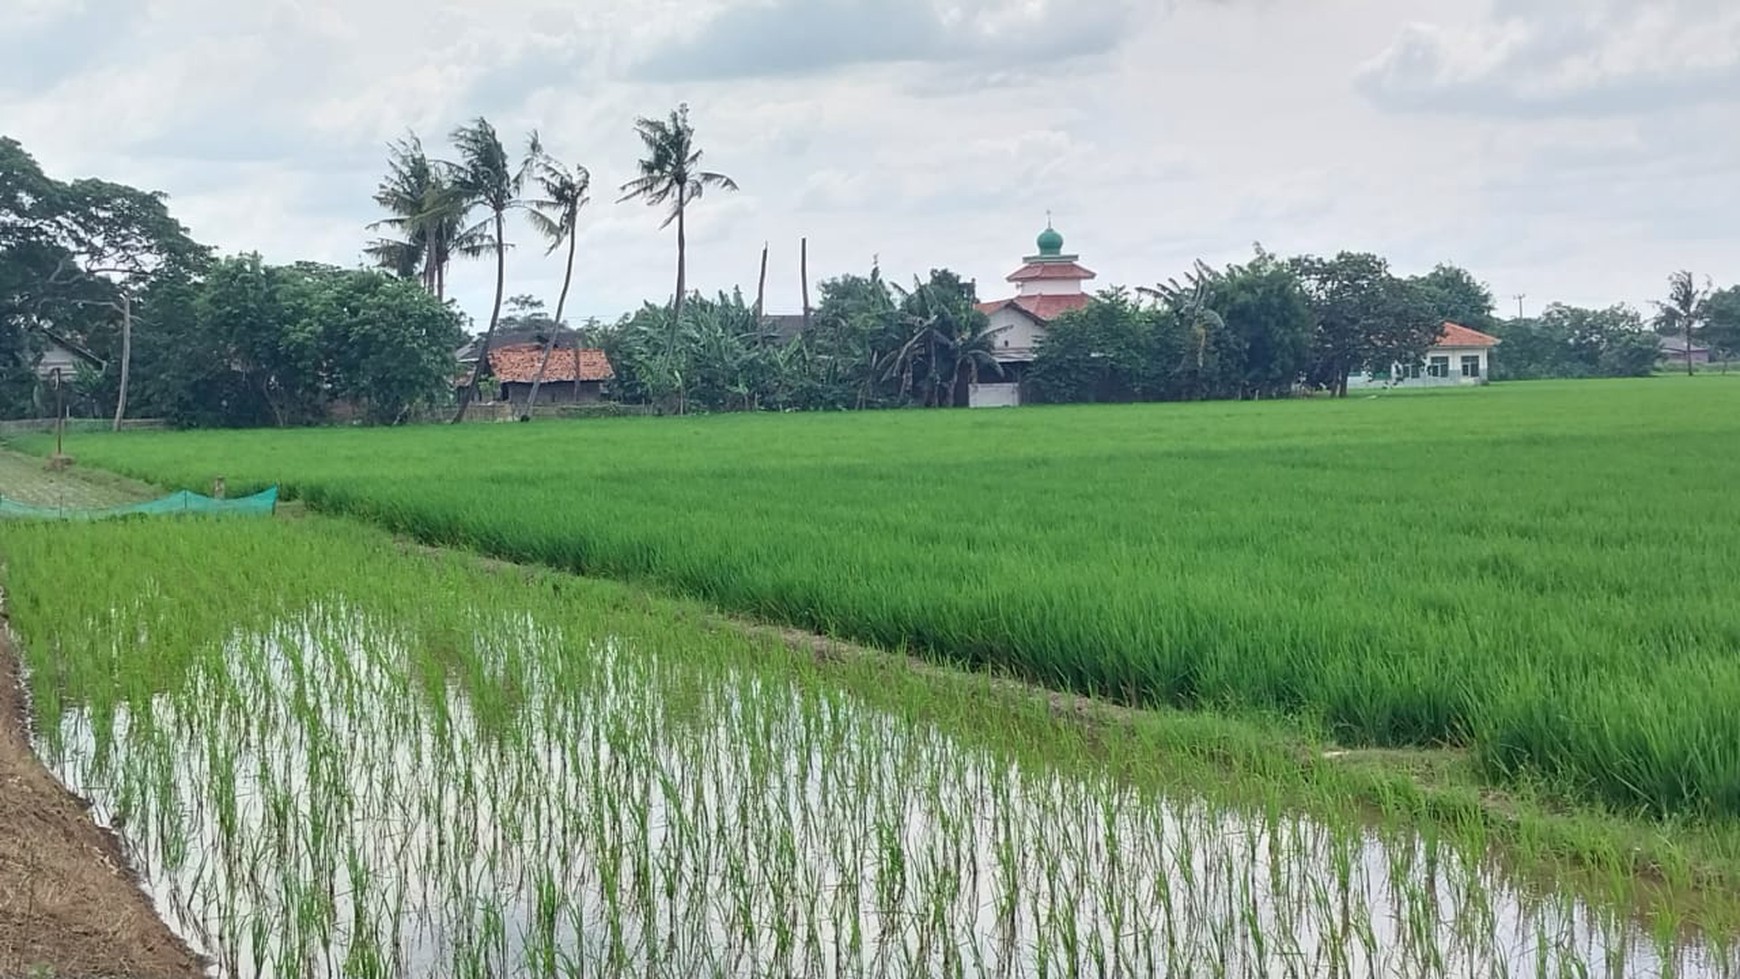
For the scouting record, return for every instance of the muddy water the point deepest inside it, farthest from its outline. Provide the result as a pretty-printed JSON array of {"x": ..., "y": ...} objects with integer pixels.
[{"x": 321, "y": 802}]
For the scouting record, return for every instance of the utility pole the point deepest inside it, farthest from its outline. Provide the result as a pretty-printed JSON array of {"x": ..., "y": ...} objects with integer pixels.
[
  {"x": 804, "y": 262},
  {"x": 1519, "y": 297}
]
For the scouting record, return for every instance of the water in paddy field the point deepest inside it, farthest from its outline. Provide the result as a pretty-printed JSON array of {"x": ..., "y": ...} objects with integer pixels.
[{"x": 316, "y": 803}]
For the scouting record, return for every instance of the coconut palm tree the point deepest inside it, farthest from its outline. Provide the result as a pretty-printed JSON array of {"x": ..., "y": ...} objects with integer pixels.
[
  {"x": 556, "y": 216},
  {"x": 671, "y": 177},
  {"x": 484, "y": 177},
  {"x": 426, "y": 212},
  {"x": 1684, "y": 312}
]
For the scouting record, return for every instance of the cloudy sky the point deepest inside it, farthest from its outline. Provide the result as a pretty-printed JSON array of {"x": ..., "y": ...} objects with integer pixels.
[{"x": 1572, "y": 150}]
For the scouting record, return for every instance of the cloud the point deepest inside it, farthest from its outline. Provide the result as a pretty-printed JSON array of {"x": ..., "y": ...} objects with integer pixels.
[
  {"x": 1539, "y": 58},
  {"x": 49, "y": 41},
  {"x": 799, "y": 37}
]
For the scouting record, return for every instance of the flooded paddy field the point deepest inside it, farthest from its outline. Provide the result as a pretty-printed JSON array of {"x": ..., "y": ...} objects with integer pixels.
[{"x": 330, "y": 755}]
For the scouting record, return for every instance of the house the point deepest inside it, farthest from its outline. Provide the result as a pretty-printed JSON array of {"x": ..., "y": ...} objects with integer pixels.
[
  {"x": 1674, "y": 348},
  {"x": 1047, "y": 285},
  {"x": 64, "y": 357},
  {"x": 783, "y": 328},
  {"x": 574, "y": 375},
  {"x": 1461, "y": 356}
]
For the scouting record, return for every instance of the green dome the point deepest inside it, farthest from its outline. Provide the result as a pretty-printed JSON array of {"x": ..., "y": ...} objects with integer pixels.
[{"x": 1050, "y": 242}]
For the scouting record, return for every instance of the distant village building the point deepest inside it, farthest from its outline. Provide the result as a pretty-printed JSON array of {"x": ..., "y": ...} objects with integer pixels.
[
  {"x": 1461, "y": 356},
  {"x": 64, "y": 357},
  {"x": 1047, "y": 285},
  {"x": 574, "y": 375},
  {"x": 1674, "y": 347}
]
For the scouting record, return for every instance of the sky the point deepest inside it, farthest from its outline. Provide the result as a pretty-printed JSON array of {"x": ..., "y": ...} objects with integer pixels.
[{"x": 1573, "y": 151}]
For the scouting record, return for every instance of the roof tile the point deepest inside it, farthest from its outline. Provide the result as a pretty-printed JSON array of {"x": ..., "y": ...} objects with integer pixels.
[
  {"x": 1042, "y": 308},
  {"x": 1457, "y": 335},
  {"x": 518, "y": 364}
]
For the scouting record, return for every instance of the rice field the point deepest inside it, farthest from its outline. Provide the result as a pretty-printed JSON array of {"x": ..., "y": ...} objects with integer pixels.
[
  {"x": 331, "y": 755},
  {"x": 1545, "y": 574}
]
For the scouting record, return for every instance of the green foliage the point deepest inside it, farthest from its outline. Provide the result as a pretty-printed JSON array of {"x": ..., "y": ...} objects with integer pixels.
[
  {"x": 1366, "y": 318},
  {"x": 72, "y": 256},
  {"x": 427, "y": 211},
  {"x": 254, "y": 344},
  {"x": 1722, "y": 326},
  {"x": 1457, "y": 296},
  {"x": 1569, "y": 342},
  {"x": 1546, "y": 581},
  {"x": 1241, "y": 332}
]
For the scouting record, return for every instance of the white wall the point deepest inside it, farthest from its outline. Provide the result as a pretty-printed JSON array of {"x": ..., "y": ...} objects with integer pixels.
[
  {"x": 994, "y": 395},
  {"x": 58, "y": 356},
  {"x": 1048, "y": 287},
  {"x": 1022, "y": 334}
]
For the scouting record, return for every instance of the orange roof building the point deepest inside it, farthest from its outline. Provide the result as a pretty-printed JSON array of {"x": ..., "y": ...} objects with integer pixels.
[
  {"x": 573, "y": 375},
  {"x": 1047, "y": 285},
  {"x": 1461, "y": 356}
]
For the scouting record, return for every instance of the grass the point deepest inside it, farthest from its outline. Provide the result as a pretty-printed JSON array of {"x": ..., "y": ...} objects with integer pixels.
[
  {"x": 335, "y": 754},
  {"x": 25, "y": 479},
  {"x": 1539, "y": 573}
]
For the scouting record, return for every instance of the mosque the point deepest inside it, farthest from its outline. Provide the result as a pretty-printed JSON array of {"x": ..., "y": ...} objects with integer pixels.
[{"x": 1047, "y": 285}]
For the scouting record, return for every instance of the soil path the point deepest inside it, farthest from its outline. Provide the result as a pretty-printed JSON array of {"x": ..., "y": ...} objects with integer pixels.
[{"x": 69, "y": 904}]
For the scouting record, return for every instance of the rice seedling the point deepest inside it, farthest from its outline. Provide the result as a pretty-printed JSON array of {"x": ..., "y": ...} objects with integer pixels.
[{"x": 339, "y": 758}]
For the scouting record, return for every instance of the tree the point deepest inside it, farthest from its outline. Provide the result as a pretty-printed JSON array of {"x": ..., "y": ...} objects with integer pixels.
[
  {"x": 556, "y": 216},
  {"x": 385, "y": 345},
  {"x": 483, "y": 176},
  {"x": 945, "y": 343},
  {"x": 1103, "y": 352},
  {"x": 70, "y": 249},
  {"x": 671, "y": 177},
  {"x": 1366, "y": 318},
  {"x": 1565, "y": 341},
  {"x": 1263, "y": 306},
  {"x": 855, "y": 324},
  {"x": 1722, "y": 323},
  {"x": 428, "y": 213},
  {"x": 1458, "y": 297},
  {"x": 1683, "y": 312}
]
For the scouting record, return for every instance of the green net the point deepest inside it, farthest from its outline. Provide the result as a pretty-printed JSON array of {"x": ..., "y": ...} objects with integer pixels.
[{"x": 260, "y": 504}]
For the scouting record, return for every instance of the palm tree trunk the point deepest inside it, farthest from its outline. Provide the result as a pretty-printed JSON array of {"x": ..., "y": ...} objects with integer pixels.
[
  {"x": 677, "y": 306},
  {"x": 126, "y": 357},
  {"x": 550, "y": 343},
  {"x": 682, "y": 283},
  {"x": 494, "y": 318}
]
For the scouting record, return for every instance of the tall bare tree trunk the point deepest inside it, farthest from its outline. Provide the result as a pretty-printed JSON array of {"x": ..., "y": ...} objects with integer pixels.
[
  {"x": 126, "y": 357},
  {"x": 761, "y": 289},
  {"x": 677, "y": 306},
  {"x": 494, "y": 318},
  {"x": 804, "y": 271},
  {"x": 682, "y": 281},
  {"x": 550, "y": 341}
]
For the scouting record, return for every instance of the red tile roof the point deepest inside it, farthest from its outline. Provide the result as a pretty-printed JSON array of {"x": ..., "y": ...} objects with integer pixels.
[
  {"x": 518, "y": 364},
  {"x": 1050, "y": 270},
  {"x": 1457, "y": 335},
  {"x": 1042, "y": 308}
]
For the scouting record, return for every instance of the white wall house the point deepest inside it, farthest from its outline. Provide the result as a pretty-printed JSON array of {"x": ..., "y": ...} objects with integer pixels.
[
  {"x": 64, "y": 357},
  {"x": 1460, "y": 357},
  {"x": 1047, "y": 285}
]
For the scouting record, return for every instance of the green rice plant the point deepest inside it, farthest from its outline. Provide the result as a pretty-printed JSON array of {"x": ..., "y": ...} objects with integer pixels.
[
  {"x": 358, "y": 759},
  {"x": 1541, "y": 573}
]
